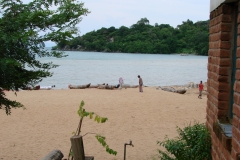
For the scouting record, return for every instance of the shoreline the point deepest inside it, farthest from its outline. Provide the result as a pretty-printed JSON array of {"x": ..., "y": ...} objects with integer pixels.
[
  {"x": 75, "y": 50},
  {"x": 190, "y": 85}
]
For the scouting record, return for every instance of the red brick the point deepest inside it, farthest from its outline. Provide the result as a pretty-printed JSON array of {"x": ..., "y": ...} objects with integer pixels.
[
  {"x": 222, "y": 78},
  {"x": 226, "y": 9},
  {"x": 225, "y": 45},
  {"x": 215, "y": 110},
  {"x": 238, "y": 52},
  {"x": 223, "y": 53},
  {"x": 218, "y": 26},
  {"x": 238, "y": 63},
  {"x": 223, "y": 96},
  {"x": 210, "y": 67},
  {"x": 235, "y": 144},
  {"x": 235, "y": 121},
  {"x": 215, "y": 45},
  {"x": 225, "y": 27},
  {"x": 238, "y": 41},
  {"x": 211, "y": 15},
  {"x": 212, "y": 60},
  {"x": 214, "y": 154},
  {"x": 214, "y": 76},
  {"x": 223, "y": 61},
  {"x": 221, "y": 45},
  {"x": 211, "y": 19},
  {"x": 235, "y": 132},
  {"x": 211, "y": 45},
  {"x": 222, "y": 70},
  {"x": 237, "y": 74},
  {"x": 211, "y": 38},
  {"x": 236, "y": 110},
  {"x": 214, "y": 29},
  {"x": 236, "y": 86},
  {"x": 210, "y": 88},
  {"x": 210, "y": 52},
  {"x": 222, "y": 113},
  {"x": 209, "y": 74},
  {"x": 227, "y": 153},
  {"x": 225, "y": 36},
  {"x": 222, "y": 105},
  {"x": 214, "y": 37},
  {"x": 211, "y": 30},
  {"x": 214, "y": 90},
  {"x": 210, "y": 113},
  {"x": 234, "y": 154},
  {"x": 236, "y": 97},
  {"x": 210, "y": 105},
  {"x": 213, "y": 93},
  {"x": 223, "y": 87},
  {"x": 226, "y": 18},
  {"x": 209, "y": 122},
  {"x": 208, "y": 82},
  {"x": 218, "y": 11}
]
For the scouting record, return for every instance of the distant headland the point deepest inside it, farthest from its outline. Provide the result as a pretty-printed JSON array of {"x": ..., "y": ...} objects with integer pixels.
[{"x": 186, "y": 38}]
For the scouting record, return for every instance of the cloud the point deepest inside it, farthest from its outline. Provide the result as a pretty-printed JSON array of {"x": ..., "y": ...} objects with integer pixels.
[
  {"x": 117, "y": 13},
  {"x": 107, "y": 13}
]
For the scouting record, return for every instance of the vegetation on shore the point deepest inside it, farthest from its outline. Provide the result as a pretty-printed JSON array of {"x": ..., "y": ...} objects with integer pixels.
[
  {"x": 193, "y": 143},
  {"x": 188, "y": 38}
]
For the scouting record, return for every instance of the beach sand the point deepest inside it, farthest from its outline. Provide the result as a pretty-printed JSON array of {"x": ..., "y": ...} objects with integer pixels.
[{"x": 51, "y": 117}]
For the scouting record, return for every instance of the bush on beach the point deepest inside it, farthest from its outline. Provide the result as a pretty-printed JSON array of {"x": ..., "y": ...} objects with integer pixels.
[{"x": 193, "y": 143}]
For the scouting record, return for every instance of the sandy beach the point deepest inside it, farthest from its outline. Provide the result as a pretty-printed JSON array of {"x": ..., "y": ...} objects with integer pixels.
[{"x": 51, "y": 117}]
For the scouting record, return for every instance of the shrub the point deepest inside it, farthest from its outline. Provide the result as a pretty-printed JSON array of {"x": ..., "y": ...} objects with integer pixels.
[{"x": 193, "y": 143}]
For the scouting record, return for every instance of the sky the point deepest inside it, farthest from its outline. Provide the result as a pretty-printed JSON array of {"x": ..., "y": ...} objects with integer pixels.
[{"x": 117, "y": 13}]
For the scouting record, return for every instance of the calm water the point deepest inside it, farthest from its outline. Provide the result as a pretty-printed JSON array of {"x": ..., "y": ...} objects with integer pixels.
[{"x": 96, "y": 68}]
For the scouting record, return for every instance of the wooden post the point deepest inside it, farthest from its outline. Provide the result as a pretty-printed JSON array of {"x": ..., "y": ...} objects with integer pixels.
[
  {"x": 77, "y": 147},
  {"x": 54, "y": 155}
]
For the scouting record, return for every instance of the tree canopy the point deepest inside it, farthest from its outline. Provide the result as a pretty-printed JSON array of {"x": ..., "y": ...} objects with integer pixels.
[
  {"x": 24, "y": 29},
  {"x": 188, "y": 37}
]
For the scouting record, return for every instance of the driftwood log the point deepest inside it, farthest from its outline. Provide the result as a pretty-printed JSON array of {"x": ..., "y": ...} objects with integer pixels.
[
  {"x": 94, "y": 86},
  {"x": 106, "y": 86},
  {"x": 171, "y": 89},
  {"x": 54, "y": 155},
  {"x": 79, "y": 86},
  {"x": 129, "y": 86}
]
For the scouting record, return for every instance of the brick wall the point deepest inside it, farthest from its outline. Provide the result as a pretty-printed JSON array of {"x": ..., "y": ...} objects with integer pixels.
[
  {"x": 221, "y": 47},
  {"x": 236, "y": 106}
]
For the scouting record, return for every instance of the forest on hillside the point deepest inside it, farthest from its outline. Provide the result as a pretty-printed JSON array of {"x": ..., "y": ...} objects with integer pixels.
[{"x": 188, "y": 38}]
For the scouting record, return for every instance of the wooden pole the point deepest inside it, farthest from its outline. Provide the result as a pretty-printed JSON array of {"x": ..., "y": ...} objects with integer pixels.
[{"x": 77, "y": 147}]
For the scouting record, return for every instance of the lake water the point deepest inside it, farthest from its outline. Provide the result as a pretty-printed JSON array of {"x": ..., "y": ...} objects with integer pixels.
[{"x": 155, "y": 69}]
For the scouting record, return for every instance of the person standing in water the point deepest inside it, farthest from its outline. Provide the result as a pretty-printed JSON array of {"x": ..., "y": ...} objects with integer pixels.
[{"x": 140, "y": 84}]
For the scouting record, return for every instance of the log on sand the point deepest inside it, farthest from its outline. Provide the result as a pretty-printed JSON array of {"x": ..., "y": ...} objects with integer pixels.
[
  {"x": 171, "y": 89},
  {"x": 78, "y": 86},
  {"x": 106, "y": 86},
  {"x": 129, "y": 86}
]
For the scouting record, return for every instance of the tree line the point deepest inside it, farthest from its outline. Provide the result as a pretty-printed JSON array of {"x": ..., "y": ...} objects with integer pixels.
[{"x": 189, "y": 38}]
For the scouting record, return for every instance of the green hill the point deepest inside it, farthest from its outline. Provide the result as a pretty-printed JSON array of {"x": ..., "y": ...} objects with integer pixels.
[{"x": 189, "y": 38}]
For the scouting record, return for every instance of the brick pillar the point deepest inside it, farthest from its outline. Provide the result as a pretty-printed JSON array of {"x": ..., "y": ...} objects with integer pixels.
[
  {"x": 219, "y": 73},
  {"x": 236, "y": 106}
]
